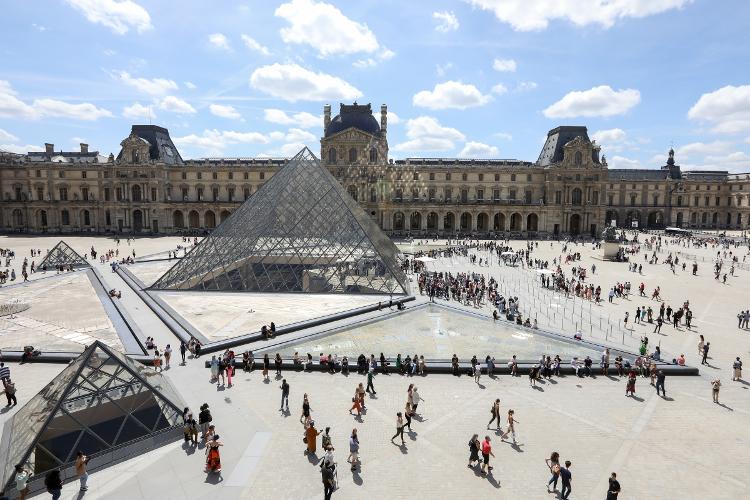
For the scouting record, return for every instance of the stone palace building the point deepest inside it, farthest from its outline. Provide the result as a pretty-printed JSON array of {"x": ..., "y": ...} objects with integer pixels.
[{"x": 569, "y": 189}]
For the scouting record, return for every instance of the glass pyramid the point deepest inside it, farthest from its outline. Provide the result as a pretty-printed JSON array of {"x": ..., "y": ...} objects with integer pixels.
[
  {"x": 102, "y": 401},
  {"x": 300, "y": 232},
  {"x": 63, "y": 255}
]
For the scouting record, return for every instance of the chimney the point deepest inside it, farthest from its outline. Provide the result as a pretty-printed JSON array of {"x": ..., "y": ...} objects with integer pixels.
[
  {"x": 326, "y": 116},
  {"x": 84, "y": 148},
  {"x": 49, "y": 148},
  {"x": 383, "y": 119}
]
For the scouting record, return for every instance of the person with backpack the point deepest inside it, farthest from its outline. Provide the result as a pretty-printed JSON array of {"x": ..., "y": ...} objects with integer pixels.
[{"x": 495, "y": 412}]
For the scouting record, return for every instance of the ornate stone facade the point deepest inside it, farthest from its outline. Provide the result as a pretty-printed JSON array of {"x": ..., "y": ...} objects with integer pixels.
[{"x": 149, "y": 188}]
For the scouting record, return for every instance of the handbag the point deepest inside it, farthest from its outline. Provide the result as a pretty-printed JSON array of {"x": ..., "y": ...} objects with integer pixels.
[{"x": 304, "y": 439}]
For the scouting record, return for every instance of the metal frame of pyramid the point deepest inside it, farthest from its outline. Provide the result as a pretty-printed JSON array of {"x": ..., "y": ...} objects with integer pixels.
[
  {"x": 104, "y": 404},
  {"x": 62, "y": 255},
  {"x": 300, "y": 232}
]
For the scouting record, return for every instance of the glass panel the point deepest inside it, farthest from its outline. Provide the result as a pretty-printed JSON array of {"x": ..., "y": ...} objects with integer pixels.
[
  {"x": 301, "y": 232},
  {"x": 62, "y": 255}
]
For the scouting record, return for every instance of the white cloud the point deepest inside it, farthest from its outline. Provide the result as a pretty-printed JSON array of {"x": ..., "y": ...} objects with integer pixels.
[
  {"x": 530, "y": 15},
  {"x": 622, "y": 162},
  {"x": 252, "y": 44},
  {"x": 442, "y": 69},
  {"x": 698, "y": 149},
  {"x": 426, "y": 134},
  {"x": 499, "y": 89},
  {"x": 20, "y": 149},
  {"x": 292, "y": 82},
  {"x": 738, "y": 161},
  {"x": 219, "y": 41},
  {"x": 117, "y": 15},
  {"x": 138, "y": 111},
  {"x": 451, "y": 94},
  {"x": 504, "y": 65},
  {"x": 216, "y": 141},
  {"x": 296, "y": 135},
  {"x": 191, "y": 85},
  {"x": 446, "y": 21},
  {"x": 7, "y": 136},
  {"x": 155, "y": 86},
  {"x": 223, "y": 111},
  {"x": 478, "y": 150},
  {"x": 727, "y": 108},
  {"x": 523, "y": 86},
  {"x": 369, "y": 62},
  {"x": 503, "y": 135},
  {"x": 291, "y": 149},
  {"x": 176, "y": 105},
  {"x": 325, "y": 28},
  {"x": 302, "y": 119},
  {"x": 609, "y": 136},
  {"x": 38, "y": 27},
  {"x": 597, "y": 101},
  {"x": 393, "y": 118},
  {"x": 13, "y": 107}
]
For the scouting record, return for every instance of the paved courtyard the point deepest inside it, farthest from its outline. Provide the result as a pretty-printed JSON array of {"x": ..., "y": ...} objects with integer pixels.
[{"x": 683, "y": 446}]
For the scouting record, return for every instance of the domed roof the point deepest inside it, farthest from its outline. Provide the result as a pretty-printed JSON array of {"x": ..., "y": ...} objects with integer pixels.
[{"x": 355, "y": 115}]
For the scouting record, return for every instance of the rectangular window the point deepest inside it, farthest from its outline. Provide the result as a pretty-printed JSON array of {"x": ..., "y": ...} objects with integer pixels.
[
  {"x": 246, "y": 175},
  {"x": 106, "y": 194},
  {"x": 119, "y": 194},
  {"x": 679, "y": 201},
  {"x": 153, "y": 194},
  {"x": 184, "y": 194},
  {"x": 199, "y": 175},
  {"x": 39, "y": 174},
  {"x": 432, "y": 176},
  {"x": 448, "y": 176},
  {"x": 718, "y": 201},
  {"x": 431, "y": 193},
  {"x": 215, "y": 194},
  {"x": 481, "y": 177},
  {"x": 464, "y": 177},
  {"x": 184, "y": 175},
  {"x": 706, "y": 201},
  {"x": 512, "y": 194},
  {"x": 63, "y": 194},
  {"x": 496, "y": 194},
  {"x": 480, "y": 194},
  {"x": 595, "y": 199},
  {"x": 558, "y": 197},
  {"x": 262, "y": 175},
  {"x": 527, "y": 197},
  {"x": 513, "y": 177},
  {"x": 40, "y": 194},
  {"x": 18, "y": 194},
  {"x": 230, "y": 194},
  {"x": 632, "y": 200},
  {"x": 231, "y": 175},
  {"x": 611, "y": 200},
  {"x": 200, "y": 194},
  {"x": 215, "y": 175},
  {"x": 656, "y": 200},
  {"x": 106, "y": 174},
  {"x": 83, "y": 174},
  {"x": 399, "y": 195},
  {"x": 448, "y": 193},
  {"x": 62, "y": 174},
  {"x": 246, "y": 193},
  {"x": 416, "y": 176},
  {"x": 497, "y": 177},
  {"x": 84, "y": 193},
  {"x": 415, "y": 195},
  {"x": 464, "y": 195},
  {"x": 528, "y": 177}
]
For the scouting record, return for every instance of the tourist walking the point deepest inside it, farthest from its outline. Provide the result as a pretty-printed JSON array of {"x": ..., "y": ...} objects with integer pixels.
[
  {"x": 705, "y": 353},
  {"x": 477, "y": 372},
  {"x": 566, "y": 477},
  {"x": 399, "y": 428},
  {"x": 370, "y": 376},
  {"x": 660, "y": 383},
  {"x": 613, "y": 490},
  {"x": 737, "y": 369},
  {"x": 415, "y": 399},
  {"x": 183, "y": 350},
  {"x": 408, "y": 412},
  {"x": 204, "y": 419},
  {"x": 353, "y": 458},
  {"x": 80, "y": 465},
  {"x": 167, "y": 355},
  {"x": 305, "y": 417},
  {"x": 266, "y": 362},
  {"x": 311, "y": 438},
  {"x": 495, "y": 412},
  {"x": 486, "y": 454},
  {"x": 328, "y": 482},
  {"x": 277, "y": 364},
  {"x": 700, "y": 346},
  {"x": 630, "y": 386},
  {"x": 715, "y": 386},
  {"x": 553, "y": 463},
  {"x": 213, "y": 457},
  {"x": 511, "y": 427},
  {"x": 474, "y": 447},
  {"x": 284, "y": 395},
  {"x": 10, "y": 392}
]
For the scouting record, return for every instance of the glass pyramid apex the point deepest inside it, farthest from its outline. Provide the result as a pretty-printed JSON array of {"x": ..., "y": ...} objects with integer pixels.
[
  {"x": 300, "y": 232},
  {"x": 62, "y": 255}
]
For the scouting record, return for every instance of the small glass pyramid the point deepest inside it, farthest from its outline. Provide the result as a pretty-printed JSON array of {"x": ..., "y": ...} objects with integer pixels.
[
  {"x": 301, "y": 232},
  {"x": 100, "y": 402},
  {"x": 63, "y": 255}
]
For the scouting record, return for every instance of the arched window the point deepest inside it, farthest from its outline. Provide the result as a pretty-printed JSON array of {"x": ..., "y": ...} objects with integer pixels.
[
  {"x": 65, "y": 217},
  {"x": 353, "y": 155},
  {"x": 579, "y": 158},
  {"x": 136, "y": 192},
  {"x": 86, "y": 218},
  {"x": 373, "y": 155},
  {"x": 134, "y": 156},
  {"x": 332, "y": 156}
]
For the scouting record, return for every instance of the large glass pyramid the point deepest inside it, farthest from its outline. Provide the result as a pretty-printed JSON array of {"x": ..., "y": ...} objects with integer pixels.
[
  {"x": 102, "y": 403},
  {"x": 63, "y": 255},
  {"x": 301, "y": 232}
]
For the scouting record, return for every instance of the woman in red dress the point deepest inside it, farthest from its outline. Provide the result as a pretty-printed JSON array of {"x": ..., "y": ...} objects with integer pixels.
[{"x": 213, "y": 459}]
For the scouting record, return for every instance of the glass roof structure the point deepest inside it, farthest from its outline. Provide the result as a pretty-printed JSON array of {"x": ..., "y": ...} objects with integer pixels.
[
  {"x": 300, "y": 232},
  {"x": 102, "y": 401},
  {"x": 437, "y": 332},
  {"x": 63, "y": 255}
]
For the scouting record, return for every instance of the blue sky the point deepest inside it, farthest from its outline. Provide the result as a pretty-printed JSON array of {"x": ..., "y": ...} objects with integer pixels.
[{"x": 473, "y": 78}]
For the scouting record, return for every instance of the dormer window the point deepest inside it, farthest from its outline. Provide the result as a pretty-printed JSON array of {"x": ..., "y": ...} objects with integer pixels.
[{"x": 579, "y": 158}]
